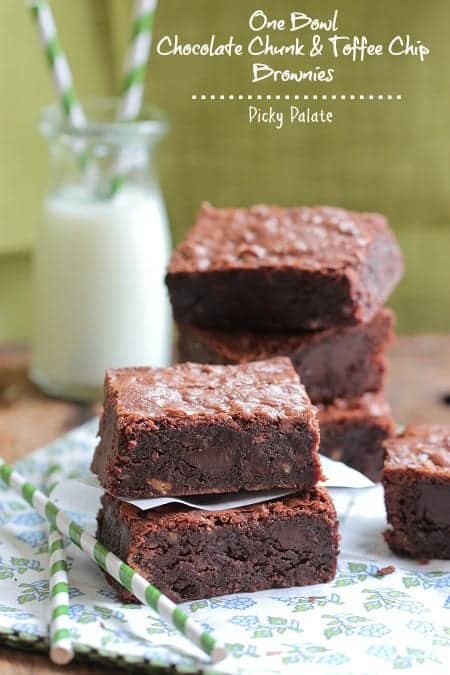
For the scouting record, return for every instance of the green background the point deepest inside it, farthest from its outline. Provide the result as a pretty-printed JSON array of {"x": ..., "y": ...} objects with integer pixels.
[{"x": 390, "y": 157}]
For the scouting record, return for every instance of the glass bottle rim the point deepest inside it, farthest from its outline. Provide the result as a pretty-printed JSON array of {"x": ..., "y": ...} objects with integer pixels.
[{"x": 102, "y": 124}]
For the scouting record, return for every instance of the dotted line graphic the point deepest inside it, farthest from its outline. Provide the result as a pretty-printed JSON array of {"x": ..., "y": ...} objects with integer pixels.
[{"x": 297, "y": 97}]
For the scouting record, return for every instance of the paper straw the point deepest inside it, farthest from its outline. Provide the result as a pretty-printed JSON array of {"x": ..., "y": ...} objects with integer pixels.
[
  {"x": 133, "y": 79},
  {"x": 58, "y": 63},
  {"x": 61, "y": 648},
  {"x": 136, "y": 60},
  {"x": 110, "y": 563}
]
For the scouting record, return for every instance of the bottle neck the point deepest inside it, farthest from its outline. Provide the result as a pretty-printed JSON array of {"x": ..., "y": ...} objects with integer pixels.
[
  {"x": 102, "y": 156},
  {"x": 99, "y": 170}
]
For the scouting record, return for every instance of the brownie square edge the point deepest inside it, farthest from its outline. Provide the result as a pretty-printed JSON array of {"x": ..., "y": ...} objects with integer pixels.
[
  {"x": 274, "y": 269},
  {"x": 196, "y": 429},
  {"x": 416, "y": 481},
  {"x": 292, "y": 541}
]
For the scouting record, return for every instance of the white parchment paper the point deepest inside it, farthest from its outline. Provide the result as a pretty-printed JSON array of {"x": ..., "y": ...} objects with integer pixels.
[{"x": 86, "y": 490}]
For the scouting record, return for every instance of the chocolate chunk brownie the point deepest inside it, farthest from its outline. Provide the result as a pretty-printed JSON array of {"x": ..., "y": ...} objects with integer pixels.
[
  {"x": 194, "y": 429},
  {"x": 343, "y": 362},
  {"x": 190, "y": 554},
  {"x": 353, "y": 432},
  {"x": 283, "y": 269},
  {"x": 416, "y": 482}
]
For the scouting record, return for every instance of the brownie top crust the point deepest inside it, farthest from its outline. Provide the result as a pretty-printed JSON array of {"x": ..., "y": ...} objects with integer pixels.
[
  {"x": 371, "y": 404},
  {"x": 316, "y": 501},
  {"x": 420, "y": 446},
  {"x": 244, "y": 346},
  {"x": 267, "y": 389},
  {"x": 305, "y": 238}
]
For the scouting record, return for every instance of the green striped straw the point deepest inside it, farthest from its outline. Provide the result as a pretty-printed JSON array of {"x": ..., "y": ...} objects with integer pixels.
[
  {"x": 61, "y": 648},
  {"x": 110, "y": 563},
  {"x": 136, "y": 60},
  {"x": 133, "y": 78},
  {"x": 58, "y": 63}
]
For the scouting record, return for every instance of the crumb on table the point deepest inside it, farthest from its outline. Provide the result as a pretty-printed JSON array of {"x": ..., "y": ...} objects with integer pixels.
[{"x": 383, "y": 571}]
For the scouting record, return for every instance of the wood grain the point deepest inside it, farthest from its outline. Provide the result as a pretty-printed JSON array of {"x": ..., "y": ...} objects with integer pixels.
[
  {"x": 14, "y": 662},
  {"x": 417, "y": 387},
  {"x": 28, "y": 418},
  {"x": 419, "y": 379}
]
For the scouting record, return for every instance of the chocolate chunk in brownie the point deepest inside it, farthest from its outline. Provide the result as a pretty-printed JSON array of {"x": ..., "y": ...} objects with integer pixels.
[
  {"x": 353, "y": 432},
  {"x": 194, "y": 429},
  {"x": 283, "y": 269},
  {"x": 416, "y": 482},
  {"x": 343, "y": 362},
  {"x": 190, "y": 554}
]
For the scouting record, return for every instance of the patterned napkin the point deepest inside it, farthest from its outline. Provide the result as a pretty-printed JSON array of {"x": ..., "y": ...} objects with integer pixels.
[{"x": 362, "y": 622}]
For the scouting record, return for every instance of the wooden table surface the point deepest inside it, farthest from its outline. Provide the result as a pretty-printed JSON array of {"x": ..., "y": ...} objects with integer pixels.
[{"x": 418, "y": 390}]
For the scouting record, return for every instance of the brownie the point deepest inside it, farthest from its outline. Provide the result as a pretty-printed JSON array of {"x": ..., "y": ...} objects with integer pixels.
[
  {"x": 194, "y": 429},
  {"x": 354, "y": 431},
  {"x": 190, "y": 554},
  {"x": 283, "y": 269},
  {"x": 416, "y": 481},
  {"x": 343, "y": 362}
]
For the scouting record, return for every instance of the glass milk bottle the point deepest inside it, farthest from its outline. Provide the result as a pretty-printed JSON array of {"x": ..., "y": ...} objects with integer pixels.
[{"x": 100, "y": 300}]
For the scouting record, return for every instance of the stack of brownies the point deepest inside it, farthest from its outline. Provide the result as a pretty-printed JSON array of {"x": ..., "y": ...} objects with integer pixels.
[
  {"x": 198, "y": 429},
  {"x": 261, "y": 296},
  {"x": 304, "y": 283}
]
